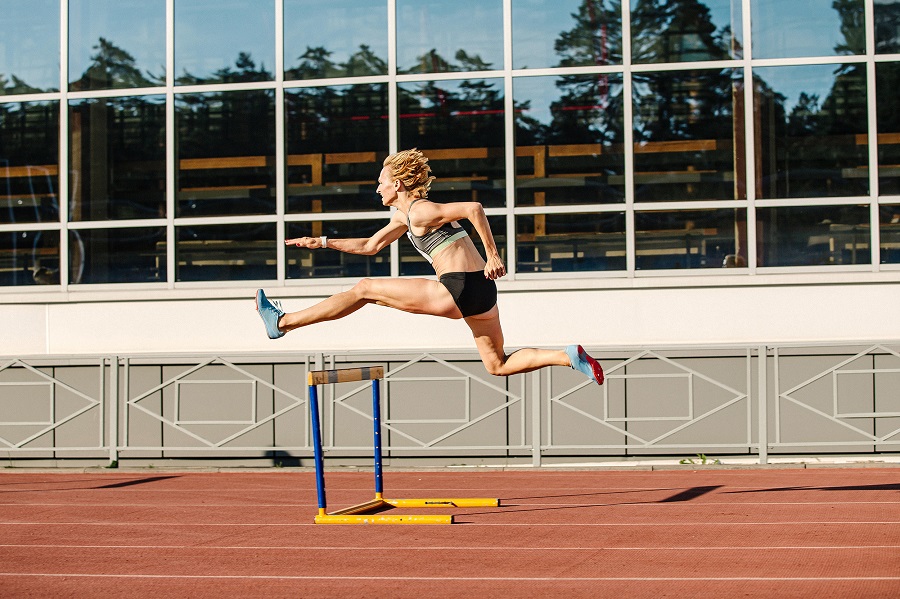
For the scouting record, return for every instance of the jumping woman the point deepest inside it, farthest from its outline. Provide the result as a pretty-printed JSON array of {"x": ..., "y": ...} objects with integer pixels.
[{"x": 465, "y": 287}]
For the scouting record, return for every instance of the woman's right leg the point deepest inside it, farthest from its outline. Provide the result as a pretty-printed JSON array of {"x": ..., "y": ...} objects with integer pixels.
[
  {"x": 489, "y": 340},
  {"x": 417, "y": 296}
]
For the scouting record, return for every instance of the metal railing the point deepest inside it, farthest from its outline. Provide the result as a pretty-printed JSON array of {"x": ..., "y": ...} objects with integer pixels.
[{"x": 665, "y": 401}]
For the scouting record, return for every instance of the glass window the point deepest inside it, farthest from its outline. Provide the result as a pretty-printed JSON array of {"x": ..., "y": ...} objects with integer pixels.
[
  {"x": 224, "y": 41},
  {"x": 304, "y": 264},
  {"x": 807, "y": 28},
  {"x": 887, "y": 100},
  {"x": 226, "y": 252},
  {"x": 117, "y": 158},
  {"x": 29, "y": 162},
  {"x": 116, "y": 44},
  {"x": 459, "y": 127},
  {"x": 813, "y": 235},
  {"x": 340, "y": 38},
  {"x": 29, "y": 258},
  {"x": 811, "y": 127},
  {"x": 29, "y": 47},
  {"x": 566, "y": 33},
  {"x": 436, "y": 36},
  {"x": 690, "y": 239},
  {"x": 688, "y": 145},
  {"x": 887, "y": 26},
  {"x": 226, "y": 153},
  {"x": 680, "y": 31},
  {"x": 412, "y": 263},
  {"x": 337, "y": 138},
  {"x": 890, "y": 233},
  {"x": 569, "y": 140},
  {"x": 132, "y": 255},
  {"x": 570, "y": 242}
]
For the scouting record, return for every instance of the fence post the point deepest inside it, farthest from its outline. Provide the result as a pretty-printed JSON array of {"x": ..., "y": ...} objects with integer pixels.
[
  {"x": 762, "y": 398},
  {"x": 536, "y": 418},
  {"x": 113, "y": 409}
]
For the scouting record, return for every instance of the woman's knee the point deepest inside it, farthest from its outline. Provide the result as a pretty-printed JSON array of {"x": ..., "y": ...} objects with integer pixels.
[
  {"x": 363, "y": 288},
  {"x": 495, "y": 364}
]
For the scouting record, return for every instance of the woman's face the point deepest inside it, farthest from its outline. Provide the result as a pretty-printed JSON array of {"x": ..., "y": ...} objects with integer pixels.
[{"x": 387, "y": 187}]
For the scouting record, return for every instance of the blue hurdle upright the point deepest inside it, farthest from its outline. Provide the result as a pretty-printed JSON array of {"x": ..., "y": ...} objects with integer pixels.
[{"x": 362, "y": 513}]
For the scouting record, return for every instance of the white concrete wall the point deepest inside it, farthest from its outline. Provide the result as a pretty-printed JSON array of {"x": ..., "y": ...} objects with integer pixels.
[{"x": 595, "y": 312}]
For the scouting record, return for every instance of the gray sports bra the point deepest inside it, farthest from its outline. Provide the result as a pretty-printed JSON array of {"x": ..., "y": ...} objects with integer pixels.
[{"x": 432, "y": 243}]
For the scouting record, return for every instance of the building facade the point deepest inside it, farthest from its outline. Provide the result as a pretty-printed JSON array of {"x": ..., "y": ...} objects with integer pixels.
[{"x": 655, "y": 172}]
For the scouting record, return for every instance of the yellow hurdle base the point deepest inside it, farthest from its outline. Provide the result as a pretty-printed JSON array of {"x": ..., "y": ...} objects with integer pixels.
[{"x": 357, "y": 514}]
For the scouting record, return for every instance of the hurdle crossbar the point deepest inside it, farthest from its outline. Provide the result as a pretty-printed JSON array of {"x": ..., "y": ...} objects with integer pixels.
[{"x": 362, "y": 513}]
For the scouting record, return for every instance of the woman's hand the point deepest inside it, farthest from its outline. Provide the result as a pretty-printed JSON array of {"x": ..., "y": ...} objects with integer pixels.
[
  {"x": 312, "y": 243},
  {"x": 494, "y": 269}
]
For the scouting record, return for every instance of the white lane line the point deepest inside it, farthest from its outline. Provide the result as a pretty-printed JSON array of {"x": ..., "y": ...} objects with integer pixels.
[
  {"x": 502, "y": 504},
  {"x": 467, "y": 578},
  {"x": 466, "y": 524},
  {"x": 452, "y": 548}
]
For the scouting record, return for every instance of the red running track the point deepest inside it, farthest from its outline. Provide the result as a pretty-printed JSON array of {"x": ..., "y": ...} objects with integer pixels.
[{"x": 818, "y": 533}]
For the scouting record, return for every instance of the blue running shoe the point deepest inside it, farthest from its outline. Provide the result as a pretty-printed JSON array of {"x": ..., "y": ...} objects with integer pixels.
[
  {"x": 580, "y": 360},
  {"x": 270, "y": 312}
]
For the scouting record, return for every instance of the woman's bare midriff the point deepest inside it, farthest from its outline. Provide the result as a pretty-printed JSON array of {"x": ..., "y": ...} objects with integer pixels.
[{"x": 460, "y": 256}]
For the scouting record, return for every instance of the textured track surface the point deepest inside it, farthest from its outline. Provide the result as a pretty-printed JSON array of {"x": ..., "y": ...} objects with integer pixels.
[{"x": 716, "y": 533}]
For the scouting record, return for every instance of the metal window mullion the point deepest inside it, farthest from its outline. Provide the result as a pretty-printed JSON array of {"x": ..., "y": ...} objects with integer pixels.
[
  {"x": 280, "y": 149},
  {"x": 116, "y": 224},
  {"x": 509, "y": 131},
  {"x": 63, "y": 176},
  {"x": 170, "y": 148},
  {"x": 749, "y": 139},
  {"x": 628, "y": 137},
  {"x": 393, "y": 111},
  {"x": 874, "y": 216}
]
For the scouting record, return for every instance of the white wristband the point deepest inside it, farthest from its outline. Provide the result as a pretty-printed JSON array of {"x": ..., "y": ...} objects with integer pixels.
[{"x": 324, "y": 241}]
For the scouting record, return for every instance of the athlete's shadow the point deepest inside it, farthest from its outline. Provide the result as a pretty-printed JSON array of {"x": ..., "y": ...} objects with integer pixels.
[
  {"x": 879, "y": 487},
  {"x": 684, "y": 495}
]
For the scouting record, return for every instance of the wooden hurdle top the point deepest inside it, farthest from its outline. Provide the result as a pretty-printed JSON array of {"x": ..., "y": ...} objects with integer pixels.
[{"x": 345, "y": 375}]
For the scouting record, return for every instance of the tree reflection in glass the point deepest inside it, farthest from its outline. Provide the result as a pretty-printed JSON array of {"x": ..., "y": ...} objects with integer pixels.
[
  {"x": 887, "y": 100},
  {"x": 569, "y": 140},
  {"x": 117, "y": 157},
  {"x": 225, "y": 153},
  {"x": 336, "y": 139},
  {"x": 807, "y": 28},
  {"x": 566, "y": 33},
  {"x": 688, "y": 145},
  {"x": 224, "y": 41},
  {"x": 685, "y": 30},
  {"x": 436, "y": 36},
  {"x": 116, "y": 44},
  {"x": 887, "y": 26},
  {"x": 29, "y": 161},
  {"x": 344, "y": 38},
  {"x": 29, "y": 50},
  {"x": 811, "y": 131},
  {"x": 459, "y": 126}
]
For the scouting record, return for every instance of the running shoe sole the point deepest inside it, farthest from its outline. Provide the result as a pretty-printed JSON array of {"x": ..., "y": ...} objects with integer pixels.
[
  {"x": 582, "y": 362},
  {"x": 270, "y": 312}
]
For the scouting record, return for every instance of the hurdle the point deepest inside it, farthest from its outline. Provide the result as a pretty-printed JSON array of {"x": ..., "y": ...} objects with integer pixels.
[{"x": 362, "y": 513}]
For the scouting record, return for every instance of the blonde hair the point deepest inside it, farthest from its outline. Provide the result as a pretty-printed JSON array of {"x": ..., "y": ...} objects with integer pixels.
[{"x": 410, "y": 167}]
